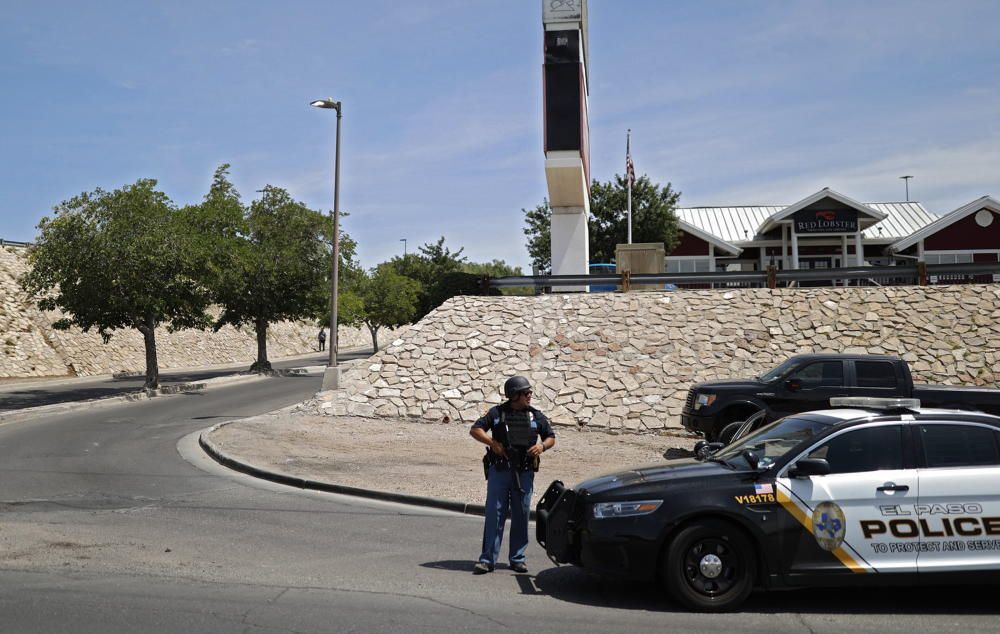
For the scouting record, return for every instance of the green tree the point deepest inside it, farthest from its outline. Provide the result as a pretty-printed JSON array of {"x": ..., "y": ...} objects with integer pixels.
[
  {"x": 653, "y": 220},
  {"x": 538, "y": 229},
  {"x": 351, "y": 277},
  {"x": 494, "y": 268},
  {"x": 498, "y": 268},
  {"x": 264, "y": 263},
  {"x": 116, "y": 260},
  {"x": 387, "y": 300},
  {"x": 438, "y": 269}
]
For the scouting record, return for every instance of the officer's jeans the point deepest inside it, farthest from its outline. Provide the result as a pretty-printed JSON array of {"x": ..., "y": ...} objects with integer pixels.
[{"x": 501, "y": 494}]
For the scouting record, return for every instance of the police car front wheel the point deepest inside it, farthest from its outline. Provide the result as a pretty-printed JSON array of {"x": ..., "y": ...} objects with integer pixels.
[{"x": 709, "y": 566}]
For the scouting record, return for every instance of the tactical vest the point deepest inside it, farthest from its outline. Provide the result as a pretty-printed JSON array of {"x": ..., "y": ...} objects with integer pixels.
[
  {"x": 513, "y": 429},
  {"x": 516, "y": 425}
]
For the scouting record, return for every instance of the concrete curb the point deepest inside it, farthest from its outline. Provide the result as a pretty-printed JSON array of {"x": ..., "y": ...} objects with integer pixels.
[{"x": 219, "y": 456}]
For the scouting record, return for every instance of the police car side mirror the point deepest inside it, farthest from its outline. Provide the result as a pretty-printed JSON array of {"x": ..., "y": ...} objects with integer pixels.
[
  {"x": 809, "y": 467},
  {"x": 704, "y": 449}
]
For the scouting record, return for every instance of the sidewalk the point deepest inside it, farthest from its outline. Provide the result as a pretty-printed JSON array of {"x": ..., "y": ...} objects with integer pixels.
[
  {"x": 15, "y": 384},
  {"x": 410, "y": 458}
]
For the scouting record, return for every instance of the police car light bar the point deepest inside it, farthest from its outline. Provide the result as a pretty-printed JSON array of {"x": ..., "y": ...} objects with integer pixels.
[{"x": 871, "y": 402}]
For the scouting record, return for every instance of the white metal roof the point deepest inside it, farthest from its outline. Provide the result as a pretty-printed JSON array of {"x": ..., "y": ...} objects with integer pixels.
[{"x": 739, "y": 225}]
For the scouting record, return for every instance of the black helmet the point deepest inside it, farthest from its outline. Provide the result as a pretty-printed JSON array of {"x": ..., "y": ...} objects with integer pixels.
[{"x": 515, "y": 385}]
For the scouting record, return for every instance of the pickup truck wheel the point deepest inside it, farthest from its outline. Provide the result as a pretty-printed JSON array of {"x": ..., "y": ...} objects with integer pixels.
[
  {"x": 729, "y": 431},
  {"x": 710, "y": 567}
]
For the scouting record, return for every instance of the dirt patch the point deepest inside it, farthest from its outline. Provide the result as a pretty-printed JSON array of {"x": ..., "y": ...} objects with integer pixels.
[{"x": 430, "y": 459}]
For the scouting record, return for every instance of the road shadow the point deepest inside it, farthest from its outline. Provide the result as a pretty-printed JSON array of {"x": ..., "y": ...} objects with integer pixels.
[
  {"x": 21, "y": 399},
  {"x": 451, "y": 565},
  {"x": 575, "y": 585},
  {"x": 525, "y": 582},
  {"x": 352, "y": 355}
]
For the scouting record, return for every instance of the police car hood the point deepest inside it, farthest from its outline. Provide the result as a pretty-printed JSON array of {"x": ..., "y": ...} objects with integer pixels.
[{"x": 664, "y": 472}]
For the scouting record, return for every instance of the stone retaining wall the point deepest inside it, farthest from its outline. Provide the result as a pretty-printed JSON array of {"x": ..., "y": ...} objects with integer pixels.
[
  {"x": 625, "y": 362},
  {"x": 30, "y": 347}
]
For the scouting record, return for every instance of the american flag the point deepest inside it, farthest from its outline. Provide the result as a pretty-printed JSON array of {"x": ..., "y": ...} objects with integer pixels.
[{"x": 629, "y": 167}]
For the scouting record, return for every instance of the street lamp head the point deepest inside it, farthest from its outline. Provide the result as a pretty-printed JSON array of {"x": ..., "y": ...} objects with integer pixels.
[{"x": 328, "y": 104}]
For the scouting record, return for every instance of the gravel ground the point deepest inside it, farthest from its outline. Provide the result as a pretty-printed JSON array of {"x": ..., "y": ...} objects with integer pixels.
[{"x": 430, "y": 459}]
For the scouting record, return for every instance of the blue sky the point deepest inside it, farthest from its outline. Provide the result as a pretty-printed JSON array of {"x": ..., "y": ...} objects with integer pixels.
[{"x": 732, "y": 102}]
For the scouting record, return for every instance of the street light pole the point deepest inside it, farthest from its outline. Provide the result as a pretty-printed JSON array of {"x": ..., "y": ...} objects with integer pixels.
[
  {"x": 331, "y": 378},
  {"x": 403, "y": 240}
]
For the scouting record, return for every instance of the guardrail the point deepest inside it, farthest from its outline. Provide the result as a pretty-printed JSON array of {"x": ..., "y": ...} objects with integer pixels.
[
  {"x": 910, "y": 275},
  {"x": 14, "y": 243}
]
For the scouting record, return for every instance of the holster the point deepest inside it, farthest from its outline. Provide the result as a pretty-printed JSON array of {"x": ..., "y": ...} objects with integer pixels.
[{"x": 517, "y": 459}]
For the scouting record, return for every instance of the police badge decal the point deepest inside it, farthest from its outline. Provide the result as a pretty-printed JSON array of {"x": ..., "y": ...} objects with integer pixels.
[{"x": 829, "y": 526}]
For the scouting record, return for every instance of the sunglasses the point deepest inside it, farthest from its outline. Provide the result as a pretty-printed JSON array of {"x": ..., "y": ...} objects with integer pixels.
[{"x": 526, "y": 392}]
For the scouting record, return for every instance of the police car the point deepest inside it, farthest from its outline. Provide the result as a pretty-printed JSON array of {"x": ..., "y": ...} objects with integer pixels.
[{"x": 874, "y": 491}]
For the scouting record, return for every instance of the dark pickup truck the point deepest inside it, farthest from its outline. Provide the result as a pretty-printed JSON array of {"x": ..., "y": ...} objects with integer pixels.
[{"x": 807, "y": 382}]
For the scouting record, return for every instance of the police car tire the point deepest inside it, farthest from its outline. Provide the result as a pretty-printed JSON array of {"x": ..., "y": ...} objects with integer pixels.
[{"x": 685, "y": 581}]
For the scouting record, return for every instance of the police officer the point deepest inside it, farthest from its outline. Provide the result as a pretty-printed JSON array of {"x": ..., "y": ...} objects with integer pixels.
[{"x": 518, "y": 434}]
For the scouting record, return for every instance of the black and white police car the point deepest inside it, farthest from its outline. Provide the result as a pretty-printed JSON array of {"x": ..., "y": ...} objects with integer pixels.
[{"x": 875, "y": 491}]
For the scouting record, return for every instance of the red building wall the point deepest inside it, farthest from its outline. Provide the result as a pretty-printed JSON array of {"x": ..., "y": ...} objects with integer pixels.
[
  {"x": 964, "y": 235},
  {"x": 691, "y": 245}
]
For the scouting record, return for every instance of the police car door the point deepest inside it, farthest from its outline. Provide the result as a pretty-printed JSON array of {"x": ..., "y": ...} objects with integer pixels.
[
  {"x": 825, "y": 515},
  {"x": 958, "y": 513}
]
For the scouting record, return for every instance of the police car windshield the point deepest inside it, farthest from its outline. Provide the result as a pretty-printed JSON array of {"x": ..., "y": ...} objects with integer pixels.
[
  {"x": 772, "y": 442},
  {"x": 782, "y": 369}
]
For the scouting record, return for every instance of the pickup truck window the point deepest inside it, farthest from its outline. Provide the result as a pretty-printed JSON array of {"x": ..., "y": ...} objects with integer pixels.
[
  {"x": 959, "y": 446},
  {"x": 821, "y": 374},
  {"x": 878, "y": 374},
  {"x": 866, "y": 449},
  {"x": 781, "y": 370}
]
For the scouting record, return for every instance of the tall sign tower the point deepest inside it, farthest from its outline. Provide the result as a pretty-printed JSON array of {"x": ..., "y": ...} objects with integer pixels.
[{"x": 567, "y": 131}]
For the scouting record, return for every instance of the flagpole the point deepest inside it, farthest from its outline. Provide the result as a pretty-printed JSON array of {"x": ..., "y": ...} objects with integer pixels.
[{"x": 628, "y": 177}]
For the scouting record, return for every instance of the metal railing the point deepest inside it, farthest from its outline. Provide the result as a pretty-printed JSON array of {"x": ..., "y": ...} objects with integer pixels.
[
  {"x": 907, "y": 275},
  {"x": 14, "y": 243}
]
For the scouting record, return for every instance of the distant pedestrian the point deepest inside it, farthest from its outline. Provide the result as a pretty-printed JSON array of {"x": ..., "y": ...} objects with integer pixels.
[
  {"x": 518, "y": 434},
  {"x": 322, "y": 339}
]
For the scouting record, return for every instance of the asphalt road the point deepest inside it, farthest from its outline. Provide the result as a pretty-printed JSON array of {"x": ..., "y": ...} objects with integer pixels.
[
  {"x": 49, "y": 392},
  {"x": 112, "y": 520}
]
